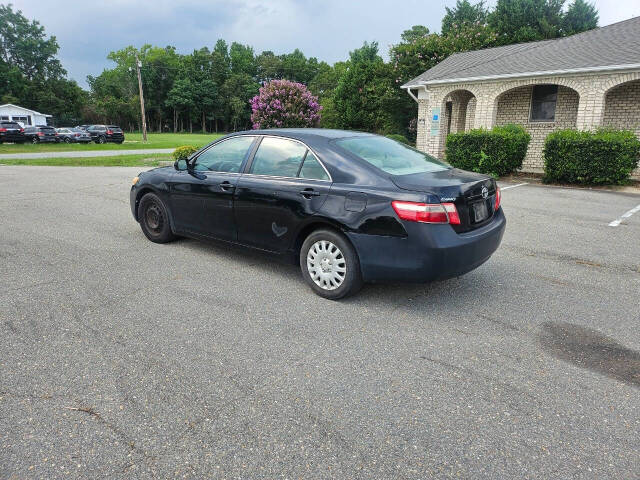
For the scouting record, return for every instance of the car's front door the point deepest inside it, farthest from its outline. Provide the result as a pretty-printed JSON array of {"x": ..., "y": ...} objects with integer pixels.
[
  {"x": 285, "y": 184},
  {"x": 201, "y": 197}
]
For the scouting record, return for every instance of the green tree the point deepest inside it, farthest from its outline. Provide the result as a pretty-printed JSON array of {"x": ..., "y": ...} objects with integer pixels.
[
  {"x": 580, "y": 16},
  {"x": 525, "y": 20},
  {"x": 464, "y": 13},
  {"x": 414, "y": 33},
  {"x": 365, "y": 97},
  {"x": 181, "y": 99},
  {"x": 24, "y": 45}
]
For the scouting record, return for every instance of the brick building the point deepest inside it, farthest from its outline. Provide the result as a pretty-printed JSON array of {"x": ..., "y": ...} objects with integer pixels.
[{"x": 585, "y": 81}]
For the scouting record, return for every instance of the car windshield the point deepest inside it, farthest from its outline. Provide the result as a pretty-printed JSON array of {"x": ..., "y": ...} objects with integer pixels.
[{"x": 391, "y": 156}]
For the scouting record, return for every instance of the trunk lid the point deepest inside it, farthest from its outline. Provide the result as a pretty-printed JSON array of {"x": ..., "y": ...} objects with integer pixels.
[{"x": 470, "y": 192}]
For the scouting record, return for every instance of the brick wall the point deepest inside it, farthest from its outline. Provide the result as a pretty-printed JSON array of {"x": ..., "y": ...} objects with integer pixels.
[
  {"x": 514, "y": 107},
  {"x": 584, "y": 110},
  {"x": 622, "y": 107},
  {"x": 622, "y": 110}
]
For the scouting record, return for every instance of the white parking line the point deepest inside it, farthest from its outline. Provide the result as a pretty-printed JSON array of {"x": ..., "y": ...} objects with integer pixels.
[
  {"x": 618, "y": 221},
  {"x": 513, "y": 186}
]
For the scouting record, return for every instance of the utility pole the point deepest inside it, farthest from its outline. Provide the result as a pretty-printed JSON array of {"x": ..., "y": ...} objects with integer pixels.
[{"x": 144, "y": 117}]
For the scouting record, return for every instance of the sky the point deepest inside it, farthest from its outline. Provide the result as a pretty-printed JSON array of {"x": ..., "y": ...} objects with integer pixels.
[{"x": 326, "y": 29}]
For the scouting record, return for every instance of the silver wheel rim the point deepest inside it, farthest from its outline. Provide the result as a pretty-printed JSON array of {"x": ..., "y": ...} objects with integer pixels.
[{"x": 326, "y": 265}]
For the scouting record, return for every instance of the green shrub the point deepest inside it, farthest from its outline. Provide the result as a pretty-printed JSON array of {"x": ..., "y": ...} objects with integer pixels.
[
  {"x": 498, "y": 151},
  {"x": 602, "y": 157},
  {"x": 182, "y": 153},
  {"x": 399, "y": 138}
]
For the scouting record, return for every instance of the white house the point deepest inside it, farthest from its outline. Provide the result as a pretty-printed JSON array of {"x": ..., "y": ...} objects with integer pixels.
[{"x": 23, "y": 116}]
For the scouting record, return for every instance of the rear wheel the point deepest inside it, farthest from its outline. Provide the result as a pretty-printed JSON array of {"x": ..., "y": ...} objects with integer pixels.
[
  {"x": 330, "y": 265},
  {"x": 154, "y": 219},
  {"x": 67, "y": 140},
  {"x": 101, "y": 140},
  {"x": 35, "y": 140}
]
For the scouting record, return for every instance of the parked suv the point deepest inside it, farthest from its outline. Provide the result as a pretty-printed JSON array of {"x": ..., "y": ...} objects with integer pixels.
[
  {"x": 40, "y": 134},
  {"x": 106, "y": 133},
  {"x": 11, "y": 132},
  {"x": 73, "y": 135}
]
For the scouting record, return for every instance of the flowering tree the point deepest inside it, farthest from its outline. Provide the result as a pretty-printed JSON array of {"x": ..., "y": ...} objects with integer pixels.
[{"x": 282, "y": 103}]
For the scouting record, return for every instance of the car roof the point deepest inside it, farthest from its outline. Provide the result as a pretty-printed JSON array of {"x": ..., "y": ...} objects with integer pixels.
[{"x": 304, "y": 133}]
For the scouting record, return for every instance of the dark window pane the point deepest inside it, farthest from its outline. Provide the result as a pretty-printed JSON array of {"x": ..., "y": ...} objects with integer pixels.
[
  {"x": 226, "y": 156},
  {"x": 543, "y": 103},
  {"x": 278, "y": 157},
  {"x": 390, "y": 156},
  {"x": 312, "y": 169}
]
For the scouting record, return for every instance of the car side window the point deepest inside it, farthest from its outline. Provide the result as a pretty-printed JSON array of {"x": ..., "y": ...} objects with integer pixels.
[
  {"x": 278, "y": 157},
  {"x": 312, "y": 169},
  {"x": 226, "y": 156}
]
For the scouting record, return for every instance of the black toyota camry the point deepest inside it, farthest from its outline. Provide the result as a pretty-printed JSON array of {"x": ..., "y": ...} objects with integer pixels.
[{"x": 350, "y": 207}]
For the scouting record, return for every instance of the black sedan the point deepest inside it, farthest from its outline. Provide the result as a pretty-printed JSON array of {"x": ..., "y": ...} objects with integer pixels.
[{"x": 349, "y": 207}]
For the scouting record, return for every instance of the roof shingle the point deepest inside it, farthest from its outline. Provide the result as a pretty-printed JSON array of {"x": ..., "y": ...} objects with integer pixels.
[{"x": 615, "y": 45}]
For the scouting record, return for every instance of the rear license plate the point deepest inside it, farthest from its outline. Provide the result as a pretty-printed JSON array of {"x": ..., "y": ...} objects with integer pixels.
[{"x": 480, "y": 211}]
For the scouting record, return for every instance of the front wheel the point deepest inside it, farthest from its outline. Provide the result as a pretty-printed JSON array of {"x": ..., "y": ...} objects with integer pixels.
[
  {"x": 154, "y": 219},
  {"x": 330, "y": 265}
]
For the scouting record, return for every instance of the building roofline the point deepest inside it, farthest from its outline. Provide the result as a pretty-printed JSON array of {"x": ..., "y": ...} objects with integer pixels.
[
  {"x": 25, "y": 108},
  {"x": 569, "y": 71}
]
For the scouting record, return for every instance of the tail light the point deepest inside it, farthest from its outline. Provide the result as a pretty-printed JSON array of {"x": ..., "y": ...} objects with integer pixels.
[
  {"x": 40, "y": 134},
  {"x": 427, "y": 212},
  {"x": 77, "y": 135},
  {"x": 22, "y": 130},
  {"x": 3, "y": 129},
  {"x": 497, "y": 205},
  {"x": 109, "y": 132}
]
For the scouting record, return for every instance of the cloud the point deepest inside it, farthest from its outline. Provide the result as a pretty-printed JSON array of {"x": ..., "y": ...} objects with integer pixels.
[{"x": 326, "y": 29}]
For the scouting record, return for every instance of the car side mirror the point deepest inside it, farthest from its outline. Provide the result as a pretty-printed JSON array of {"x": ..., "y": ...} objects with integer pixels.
[{"x": 180, "y": 164}]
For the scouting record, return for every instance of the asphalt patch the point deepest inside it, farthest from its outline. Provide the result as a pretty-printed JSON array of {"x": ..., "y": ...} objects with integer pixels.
[{"x": 588, "y": 348}]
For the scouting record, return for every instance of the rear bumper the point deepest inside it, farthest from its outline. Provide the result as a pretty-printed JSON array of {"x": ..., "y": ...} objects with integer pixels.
[
  {"x": 12, "y": 137},
  {"x": 429, "y": 252}
]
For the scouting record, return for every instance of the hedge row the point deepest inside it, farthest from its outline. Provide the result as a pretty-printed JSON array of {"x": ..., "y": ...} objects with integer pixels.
[
  {"x": 602, "y": 157},
  {"x": 497, "y": 152}
]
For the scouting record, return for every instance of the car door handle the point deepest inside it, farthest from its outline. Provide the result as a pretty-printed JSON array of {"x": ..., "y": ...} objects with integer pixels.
[
  {"x": 309, "y": 192},
  {"x": 227, "y": 186}
]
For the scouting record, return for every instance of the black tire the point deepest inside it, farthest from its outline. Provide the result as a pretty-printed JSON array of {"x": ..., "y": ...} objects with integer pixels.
[
  {"x": 101, "y": 140},
  {"x": 67, "y": 140},
  {"x": 35, "y": 140},
  {"x": 351, "y": 281},
  {"x": 154, "y": 219},
  {"x": 120, "y": 142}
]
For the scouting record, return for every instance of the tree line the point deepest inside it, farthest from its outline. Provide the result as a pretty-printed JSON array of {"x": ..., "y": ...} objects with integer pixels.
[{"x": 211, "y": 89}]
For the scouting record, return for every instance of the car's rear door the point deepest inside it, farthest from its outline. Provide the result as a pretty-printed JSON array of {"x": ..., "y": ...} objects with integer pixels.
[
  {"x": 274, "y": 197},
  {"x": 201, "y": 198}
]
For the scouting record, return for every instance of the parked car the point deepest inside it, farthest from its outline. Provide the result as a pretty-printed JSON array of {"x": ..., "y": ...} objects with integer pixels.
[
  {"x": 106, "y": 133},
  {"x": 350, "y": 207},
  {"x": 11, "y": 132},
  {"x": 72, "y": 135},
  {"x": 40, "y": 134}
]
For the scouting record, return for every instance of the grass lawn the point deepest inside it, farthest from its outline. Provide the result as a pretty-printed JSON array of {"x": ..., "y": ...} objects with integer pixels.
[
  {"x": 132, "y": 141},
  {"x": 149, "y": 160}
]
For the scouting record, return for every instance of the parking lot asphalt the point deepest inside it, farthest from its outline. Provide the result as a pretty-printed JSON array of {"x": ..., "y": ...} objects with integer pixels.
[{"x": 120, "y": 358}]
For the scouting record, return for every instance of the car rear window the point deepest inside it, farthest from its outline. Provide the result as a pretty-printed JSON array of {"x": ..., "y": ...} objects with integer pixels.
[
  {"x": 10, "y": 124},
  {"x": 391, "y": 156}
]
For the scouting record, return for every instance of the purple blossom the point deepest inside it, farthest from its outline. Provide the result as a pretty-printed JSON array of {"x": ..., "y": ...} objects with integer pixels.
[{"x": 282, "y": 103}]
